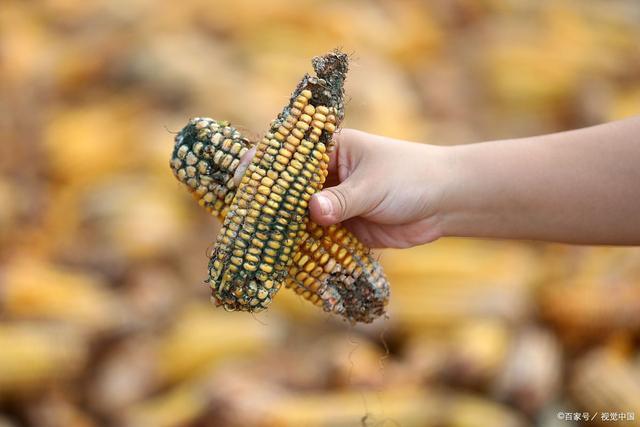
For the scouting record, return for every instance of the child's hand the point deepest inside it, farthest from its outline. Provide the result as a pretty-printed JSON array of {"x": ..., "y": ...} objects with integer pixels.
[
  {"x": 386, "y": 191},
  {"x": 577, "y": 187}
]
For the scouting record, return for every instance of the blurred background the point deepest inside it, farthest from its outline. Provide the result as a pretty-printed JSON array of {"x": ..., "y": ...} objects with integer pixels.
[{"x": 104, "y": 320}]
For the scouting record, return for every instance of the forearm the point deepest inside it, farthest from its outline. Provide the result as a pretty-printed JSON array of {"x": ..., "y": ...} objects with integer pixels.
[{"x": 581, "y": 186}]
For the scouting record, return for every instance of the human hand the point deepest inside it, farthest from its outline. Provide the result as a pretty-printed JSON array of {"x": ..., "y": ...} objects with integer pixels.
[{"x": 386, "y": 191}]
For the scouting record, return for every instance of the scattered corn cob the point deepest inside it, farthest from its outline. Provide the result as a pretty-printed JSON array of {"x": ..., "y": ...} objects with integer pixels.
[
  {"x": 34, "y": 289},
  {"x": 599, "y": 308},
  {"x": 477, "y": 352},
  {"x": 34, "y": 356},
  {"x": 531, "y": 376},
  {"x": 263, "y": 405},
  {"x": 606, "y": 382},
  {"x": 330, "y": 268},
  {"x": 485, "y": 279}
]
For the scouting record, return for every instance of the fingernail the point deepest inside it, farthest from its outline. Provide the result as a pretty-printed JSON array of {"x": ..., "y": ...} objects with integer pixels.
[
  {"x": 245, "y": 161},
  {"x": 326, "y": 208},
  {"x": 239, "y": 173}
]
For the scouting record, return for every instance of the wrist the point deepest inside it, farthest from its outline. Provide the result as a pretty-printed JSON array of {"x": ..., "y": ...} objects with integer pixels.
[
  {"x": 440, "y": 178},
  {"x": 453, "y": 181},
  {"x": 478, "y": 198}
]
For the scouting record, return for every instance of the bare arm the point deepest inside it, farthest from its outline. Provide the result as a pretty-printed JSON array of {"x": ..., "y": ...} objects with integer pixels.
[{"x": 581, "y": 186}]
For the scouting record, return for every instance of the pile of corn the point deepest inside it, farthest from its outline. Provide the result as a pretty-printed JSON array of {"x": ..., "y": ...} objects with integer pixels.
[{"x": 104, "y": 318}]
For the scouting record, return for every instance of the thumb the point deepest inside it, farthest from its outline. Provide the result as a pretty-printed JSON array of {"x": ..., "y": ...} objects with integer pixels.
[{"x": 335, "y": 204}]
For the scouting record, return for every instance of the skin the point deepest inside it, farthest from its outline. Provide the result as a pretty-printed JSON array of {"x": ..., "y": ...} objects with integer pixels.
[{"x": 581, "y": 186}]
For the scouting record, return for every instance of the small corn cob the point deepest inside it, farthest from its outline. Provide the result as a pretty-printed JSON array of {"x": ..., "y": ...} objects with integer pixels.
[
  {"x": 206, "y": 155},
  {"x": 331, "y": 268}
]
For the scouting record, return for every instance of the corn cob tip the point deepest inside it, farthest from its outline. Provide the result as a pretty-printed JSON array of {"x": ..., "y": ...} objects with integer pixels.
[
  {"x": 204, "y": 159},
  {"x": 326, "y": 87},
  {"x": 361, "y": 298}
]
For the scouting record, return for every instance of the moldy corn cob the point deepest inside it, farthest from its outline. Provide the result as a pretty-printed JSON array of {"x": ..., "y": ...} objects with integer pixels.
[
  {"x": 269, "y": 211},
  {"x": 330, "y": 267},
  {"x": 205, "y": 157}
]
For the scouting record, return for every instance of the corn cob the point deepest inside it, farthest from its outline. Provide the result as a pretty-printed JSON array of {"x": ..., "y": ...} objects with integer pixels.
[
  {"x": 331, "y": 268},
  {"x": 607, "y": 381},
  {"x": 206, "y": 155},
  {"x": 268, "y": 213}
]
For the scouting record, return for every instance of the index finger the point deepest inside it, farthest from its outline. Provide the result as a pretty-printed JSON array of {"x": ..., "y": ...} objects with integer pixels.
[
  {"x": 333, "y": 177},
  {"x": 245, "y": 161}
]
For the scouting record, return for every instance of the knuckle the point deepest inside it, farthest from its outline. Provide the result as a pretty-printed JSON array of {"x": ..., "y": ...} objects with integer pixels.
[
  {"x": 341, "y": 194},
  {"x": 345, "y": 137}
]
